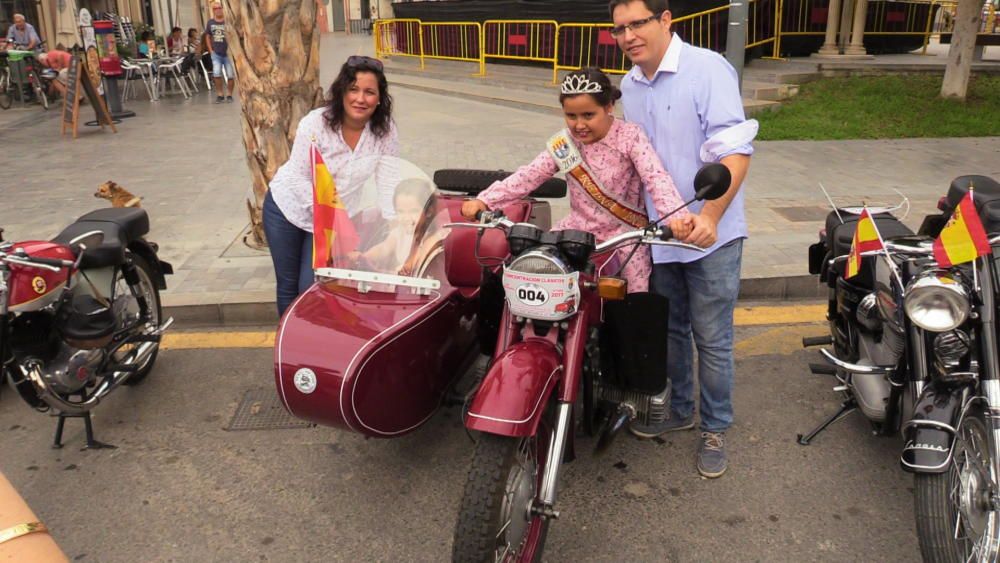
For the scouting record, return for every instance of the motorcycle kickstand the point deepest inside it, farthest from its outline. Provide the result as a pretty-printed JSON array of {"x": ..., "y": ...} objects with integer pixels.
[
  {"x": 846, "y": 408},
  {"x": 92, "y": 444}
]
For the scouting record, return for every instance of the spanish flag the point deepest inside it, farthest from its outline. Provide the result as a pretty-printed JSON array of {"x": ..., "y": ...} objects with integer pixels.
[
  {"x": 334, "y": 235},
  {"x": 866, "y": 239},
  {"x": 963, "y": 239}
]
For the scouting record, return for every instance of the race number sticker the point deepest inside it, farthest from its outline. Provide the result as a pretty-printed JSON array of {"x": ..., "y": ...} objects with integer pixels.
[{"x": 545, "y": 297}]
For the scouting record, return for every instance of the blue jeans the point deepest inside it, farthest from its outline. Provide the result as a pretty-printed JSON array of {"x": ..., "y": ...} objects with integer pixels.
[
  {"x": 709, "y": 287},
  {"x": 291, "y": 253},
  {"x": 219, "y": 62}
]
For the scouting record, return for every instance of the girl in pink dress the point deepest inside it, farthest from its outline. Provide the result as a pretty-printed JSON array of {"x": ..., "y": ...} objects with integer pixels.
[{"x": 621, "y": 161}]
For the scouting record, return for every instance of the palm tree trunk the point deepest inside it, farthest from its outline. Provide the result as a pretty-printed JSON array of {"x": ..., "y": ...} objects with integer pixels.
[
  {"x": 963, "y": 46},
  {"x": 274, "y": 46}
]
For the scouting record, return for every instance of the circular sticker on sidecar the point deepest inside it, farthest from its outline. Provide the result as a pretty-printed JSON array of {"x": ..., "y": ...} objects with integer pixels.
[
  {"x": 531, "y": 294},
  {"x": 305, "y": 380}
]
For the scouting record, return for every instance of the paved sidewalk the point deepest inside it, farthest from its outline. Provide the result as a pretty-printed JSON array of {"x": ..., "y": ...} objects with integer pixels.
[{"x": 187, "y": 160}]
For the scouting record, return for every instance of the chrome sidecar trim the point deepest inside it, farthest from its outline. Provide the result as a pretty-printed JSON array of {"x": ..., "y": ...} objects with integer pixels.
[{"x": 374, "y": 277}]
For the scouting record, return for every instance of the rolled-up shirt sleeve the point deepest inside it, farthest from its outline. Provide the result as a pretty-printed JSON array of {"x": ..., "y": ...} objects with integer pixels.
[{"x": 720, "y": 105}]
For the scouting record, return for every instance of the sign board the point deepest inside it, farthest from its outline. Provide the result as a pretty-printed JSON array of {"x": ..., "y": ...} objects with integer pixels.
[{"x": 79, "y": 84}]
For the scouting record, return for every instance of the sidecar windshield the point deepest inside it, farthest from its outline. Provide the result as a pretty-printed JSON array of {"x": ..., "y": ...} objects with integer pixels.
[{"x": 380, "y": 226}]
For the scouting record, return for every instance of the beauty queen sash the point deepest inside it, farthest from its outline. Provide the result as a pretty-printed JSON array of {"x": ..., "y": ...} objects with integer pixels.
[{"x": 570, "y": 161}]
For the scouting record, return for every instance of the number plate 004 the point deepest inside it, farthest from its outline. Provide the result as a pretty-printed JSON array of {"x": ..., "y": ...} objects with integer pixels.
[{"x": 544, "y": 297}]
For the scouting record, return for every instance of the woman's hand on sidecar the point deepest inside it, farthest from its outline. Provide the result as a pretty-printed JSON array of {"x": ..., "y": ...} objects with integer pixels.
[{"x": 472, "y": 207}]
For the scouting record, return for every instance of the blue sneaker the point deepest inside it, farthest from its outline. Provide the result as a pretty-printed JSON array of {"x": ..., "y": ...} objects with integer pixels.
[
  {"x": 672, "y": 424},
  {"x": 712, "y": 454}
]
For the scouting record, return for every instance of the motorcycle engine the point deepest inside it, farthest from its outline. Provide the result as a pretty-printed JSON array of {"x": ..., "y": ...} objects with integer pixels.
[{"x": 72, "y": 368}]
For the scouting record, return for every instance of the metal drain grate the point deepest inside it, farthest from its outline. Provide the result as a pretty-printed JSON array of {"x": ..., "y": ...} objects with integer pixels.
[
  {"x": 261, "y": 409},
  {"x": 804, "y": 214}
]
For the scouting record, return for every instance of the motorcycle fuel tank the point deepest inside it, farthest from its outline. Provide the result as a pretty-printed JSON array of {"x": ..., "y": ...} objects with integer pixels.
[{"x": 34, "y": 288}]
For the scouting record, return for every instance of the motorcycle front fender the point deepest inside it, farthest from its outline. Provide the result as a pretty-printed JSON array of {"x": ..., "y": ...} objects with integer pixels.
[
  {"x": 930, "y": 435},
  {"x": 512, "y": 398}
]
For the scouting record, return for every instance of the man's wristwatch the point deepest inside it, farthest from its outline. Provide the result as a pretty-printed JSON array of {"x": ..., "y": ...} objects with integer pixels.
[{"x": 21, "y": 530}]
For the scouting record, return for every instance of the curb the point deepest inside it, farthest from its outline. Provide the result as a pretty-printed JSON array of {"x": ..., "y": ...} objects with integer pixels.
[{"x": 261, "y": 313}]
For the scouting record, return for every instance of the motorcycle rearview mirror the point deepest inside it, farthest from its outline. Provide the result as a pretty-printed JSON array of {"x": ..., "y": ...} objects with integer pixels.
[
  {"x": 712, "y": 181},
  {"x": 91, "y": 239}
]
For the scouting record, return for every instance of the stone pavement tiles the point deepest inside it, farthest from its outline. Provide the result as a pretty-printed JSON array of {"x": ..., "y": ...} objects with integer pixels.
[{"x": 186, "y": 159}]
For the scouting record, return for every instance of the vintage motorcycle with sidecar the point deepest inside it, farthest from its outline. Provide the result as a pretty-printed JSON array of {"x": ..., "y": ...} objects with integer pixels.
[{"x": 378, "y": 342}]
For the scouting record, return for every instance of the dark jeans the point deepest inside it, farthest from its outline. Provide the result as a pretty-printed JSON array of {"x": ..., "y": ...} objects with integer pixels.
[
  {"x": 702, "y": 297},
  {"x": 291, "y": 253}
]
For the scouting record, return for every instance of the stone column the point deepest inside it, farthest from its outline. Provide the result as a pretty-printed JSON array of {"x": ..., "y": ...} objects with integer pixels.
[
  {"x": 829, "y": 47},
  {"x": 857, "y": 46}
]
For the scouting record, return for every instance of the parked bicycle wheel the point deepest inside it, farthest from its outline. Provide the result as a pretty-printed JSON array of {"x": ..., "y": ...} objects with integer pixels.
[
  {"x": 40, "y": 95},
  {"x": 6, "y": 98}
]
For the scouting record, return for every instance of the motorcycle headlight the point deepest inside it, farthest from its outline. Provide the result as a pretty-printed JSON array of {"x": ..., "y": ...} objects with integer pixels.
[
  {"x": 540, "y": 261},
  {"x": 936, "y": 301}
]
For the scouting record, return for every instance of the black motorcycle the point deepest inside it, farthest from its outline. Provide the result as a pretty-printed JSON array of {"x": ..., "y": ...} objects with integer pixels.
[{"x": 914, "y": 348}]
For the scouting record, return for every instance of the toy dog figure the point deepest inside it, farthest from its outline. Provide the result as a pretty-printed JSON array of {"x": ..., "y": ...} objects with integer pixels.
[{"x": 117, "y": 195}]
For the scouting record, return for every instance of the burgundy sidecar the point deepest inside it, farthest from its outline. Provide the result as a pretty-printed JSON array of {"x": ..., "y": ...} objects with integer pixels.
[{"x": 377, "y": 341}]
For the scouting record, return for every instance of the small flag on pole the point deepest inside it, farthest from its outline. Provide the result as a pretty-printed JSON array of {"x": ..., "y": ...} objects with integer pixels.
[
  {"x": 866, "y": 239},
  {"x": 334, "y": 235},
  {"x": 963, "y": 239}
]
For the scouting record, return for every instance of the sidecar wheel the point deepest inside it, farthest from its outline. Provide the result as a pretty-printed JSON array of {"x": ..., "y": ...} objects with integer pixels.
[{"x": 493, "y": 522}]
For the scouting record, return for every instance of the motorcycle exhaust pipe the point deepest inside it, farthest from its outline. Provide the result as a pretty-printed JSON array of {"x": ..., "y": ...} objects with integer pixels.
[
  {"x": 34, "y": 372},
  {"x": 615, "y": 422}
]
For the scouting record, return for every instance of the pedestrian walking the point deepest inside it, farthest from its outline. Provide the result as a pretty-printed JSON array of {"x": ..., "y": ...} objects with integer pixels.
[
  {"x": 688, "y": 102},
  {"x": 215, "y": 31}
]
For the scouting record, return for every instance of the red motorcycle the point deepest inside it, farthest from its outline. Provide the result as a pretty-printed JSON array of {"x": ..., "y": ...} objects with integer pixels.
[
  {"x": 567, "y": 326},
  {"x": 80, "y": 314},
  {"x": 378, "y": 343}
]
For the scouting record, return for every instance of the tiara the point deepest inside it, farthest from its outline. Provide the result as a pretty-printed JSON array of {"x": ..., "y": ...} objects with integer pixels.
[{"x": 579, "y": 84}]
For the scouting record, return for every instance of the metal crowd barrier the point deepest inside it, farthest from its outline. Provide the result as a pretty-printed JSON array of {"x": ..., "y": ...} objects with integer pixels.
[
  {"x": 454, "y": 41},
  {"x": 399, "y": 38},
  {"x": 520, "y": 40},
  {"x": 571, "y": 46}
]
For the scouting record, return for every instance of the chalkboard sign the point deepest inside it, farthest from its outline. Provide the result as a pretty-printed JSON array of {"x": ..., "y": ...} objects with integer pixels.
[
  {"x": 71, "y": 99},
  {"x": 78, "y": 77}
]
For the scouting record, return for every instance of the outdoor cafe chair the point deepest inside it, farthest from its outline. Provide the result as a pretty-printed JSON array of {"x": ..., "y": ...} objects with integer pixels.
[
  {"x": 171, "y": 68},
  {"x": 139, "y": 70}
]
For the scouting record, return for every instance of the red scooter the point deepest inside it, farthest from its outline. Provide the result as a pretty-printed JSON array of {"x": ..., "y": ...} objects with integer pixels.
[{"x": 567, "y": 326}]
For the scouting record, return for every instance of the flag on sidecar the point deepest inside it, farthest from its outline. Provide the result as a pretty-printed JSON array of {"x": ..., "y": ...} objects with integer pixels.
[
  {"x": 963, "y": 239},
  {"x": 866, "y": 239},
  {"x": 334, "y": 235}
]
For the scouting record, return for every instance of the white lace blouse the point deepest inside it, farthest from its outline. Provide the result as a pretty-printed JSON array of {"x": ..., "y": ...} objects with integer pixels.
[{"x": 292, "y": 188}]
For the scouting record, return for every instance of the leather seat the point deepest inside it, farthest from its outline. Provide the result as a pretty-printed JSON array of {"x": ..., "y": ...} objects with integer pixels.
[
  {"x": 839, "y": 236},
  {"x": 120, "y": 227}
]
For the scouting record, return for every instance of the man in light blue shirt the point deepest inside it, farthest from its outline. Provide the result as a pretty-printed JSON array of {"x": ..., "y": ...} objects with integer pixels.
[
  {"x": 687, "y": 100},
  {"x": 22, "y": 35}
]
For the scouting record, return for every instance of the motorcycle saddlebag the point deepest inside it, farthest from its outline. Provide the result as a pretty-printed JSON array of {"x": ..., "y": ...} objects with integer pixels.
[
  {"x": 839, "y": 236},
  {"x": 633, "y": 342},
  {"x": 986, "y": 198}
]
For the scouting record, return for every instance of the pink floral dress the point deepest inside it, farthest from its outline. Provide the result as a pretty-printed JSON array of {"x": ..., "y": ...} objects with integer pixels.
[{"x": 623, "y": 162}]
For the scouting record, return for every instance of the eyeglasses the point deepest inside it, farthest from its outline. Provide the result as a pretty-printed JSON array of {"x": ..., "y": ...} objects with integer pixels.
[
  {"x": 358, "y": 61},
  {"x": 620, "y": 29}
]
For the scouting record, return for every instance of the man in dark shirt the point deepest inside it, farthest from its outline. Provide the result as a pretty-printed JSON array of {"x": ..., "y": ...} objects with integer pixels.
[{"x": 215, "y": 34}]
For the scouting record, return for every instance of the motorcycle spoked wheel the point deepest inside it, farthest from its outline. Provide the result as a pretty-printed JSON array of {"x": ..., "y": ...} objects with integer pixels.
[
  {"x": 148, "y": 290},
  {"x": 954, "y": 520},
  {"x": 494, "y": 523}
]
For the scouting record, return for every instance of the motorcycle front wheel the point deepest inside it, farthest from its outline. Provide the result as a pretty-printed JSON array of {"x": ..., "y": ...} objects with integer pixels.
[
  {"x": 955, "y": 521},
  {"x": 127, "y": 307},
  {"x": 495, "y": 522}
]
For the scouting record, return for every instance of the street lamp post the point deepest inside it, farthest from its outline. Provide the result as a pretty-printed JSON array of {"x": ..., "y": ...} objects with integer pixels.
[{"x": 736, "y": 37}]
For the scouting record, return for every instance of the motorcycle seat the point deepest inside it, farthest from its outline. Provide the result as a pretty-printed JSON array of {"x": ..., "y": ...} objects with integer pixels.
[
  {"x": 839, "y": 236},
  {"x": 986, "y": 199},
  {"x": 120, "y": 227}
]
